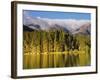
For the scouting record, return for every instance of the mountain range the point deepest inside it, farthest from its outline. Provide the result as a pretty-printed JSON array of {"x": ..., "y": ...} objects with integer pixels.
[{"x": 68, "y": 25}]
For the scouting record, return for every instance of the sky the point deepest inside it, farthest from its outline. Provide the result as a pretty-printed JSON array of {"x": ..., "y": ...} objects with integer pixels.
[{"x": 57, "y": 15}]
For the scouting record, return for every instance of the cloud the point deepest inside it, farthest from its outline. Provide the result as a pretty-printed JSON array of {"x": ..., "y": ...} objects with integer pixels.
[
  {"x": 45, "y": 23},
  {"x": 27, "y": 18},
  {"x": 73, "y": 23}
]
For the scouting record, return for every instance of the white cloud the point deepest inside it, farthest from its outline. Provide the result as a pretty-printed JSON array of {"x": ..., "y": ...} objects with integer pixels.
[{"x": 45, "y": 23}]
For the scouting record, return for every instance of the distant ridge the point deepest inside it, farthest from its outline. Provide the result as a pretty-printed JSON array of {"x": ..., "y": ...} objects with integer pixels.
[{"x": 67, "y": 25}]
